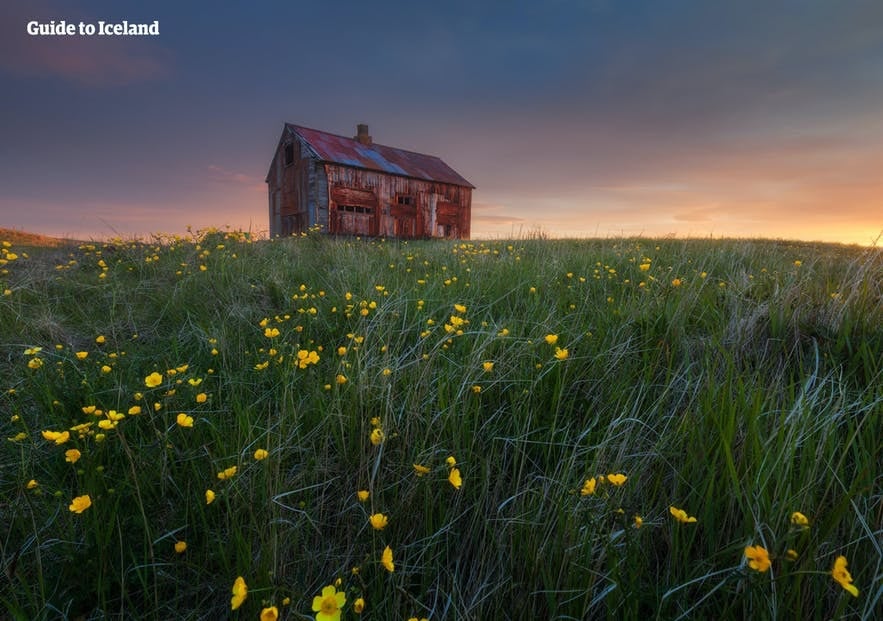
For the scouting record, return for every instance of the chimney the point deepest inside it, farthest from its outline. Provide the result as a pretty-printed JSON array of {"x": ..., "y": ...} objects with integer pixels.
[{"x": 362, "y": 134}]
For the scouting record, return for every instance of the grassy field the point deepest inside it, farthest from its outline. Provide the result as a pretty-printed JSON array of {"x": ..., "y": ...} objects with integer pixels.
[{"x": 530, "y": 429}]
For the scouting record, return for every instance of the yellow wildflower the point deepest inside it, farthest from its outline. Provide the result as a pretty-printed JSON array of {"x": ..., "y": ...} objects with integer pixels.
[
  {"x": 842, "y": 576},
  {"x": 551, "y": 339},
  {"x": 328, "y": 604},
  {"x": 561, "y": 353},
  {"x": 359, "y": 606},
  {"x": 228, "y": 473},
  {"x": 378, "y": 521},
  {"x": 201, "y": 397},
  {"x": 340, "y": 378},
  {"x": 487, "y": 366},
  {"x": 386, "y": 560},
  {"x": 455, "y": 479},
  {"x": 59, "y": 437},
  {"x": 451, "y": 461},
  {"x": 209, "y": 496},
  {"x": 80, "y": 504},
  {"x": 798, "y": 519},
  {"x": 639, "y": 521},
  {"x": 362, "y": 495},
  {"x": 81, "y": 355},
  {"x": 589, "y": 487},
  {"x": 240, "y": 592},
  {"x": 260, "y": 454},
  {"x": 180, "y": 547},
  {"x": 271, "y": 333},
  {"x": 72, "y": 455},
  {"x": 758, "y": 558},
  {"x": 616, "y": 479},
  {"x": 420, "y": 470},
  {"x": 32, "y": 484},
  {"x": 681, "y": 516},
  {"x": 184, "y": 420},
  {"x": 270, "y": 614},
  {"x": 153, "y": 380},
  {"x": 377, "y": 436}
]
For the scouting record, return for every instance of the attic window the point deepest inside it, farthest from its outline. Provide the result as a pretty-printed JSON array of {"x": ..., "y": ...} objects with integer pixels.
[
  {"x": 289, "y": 154},
  {"x": 404, "y": 199}
]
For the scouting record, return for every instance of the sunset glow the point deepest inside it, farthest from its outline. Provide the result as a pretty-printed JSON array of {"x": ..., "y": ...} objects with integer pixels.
[{"x": 572, "y": 119}]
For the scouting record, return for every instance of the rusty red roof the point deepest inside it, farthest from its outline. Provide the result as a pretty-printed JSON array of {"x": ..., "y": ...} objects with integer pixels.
[{"x": 350, "y": 152}]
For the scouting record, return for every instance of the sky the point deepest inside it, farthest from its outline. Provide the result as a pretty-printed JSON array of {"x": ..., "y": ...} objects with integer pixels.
[{"x": 573, "y": 118}]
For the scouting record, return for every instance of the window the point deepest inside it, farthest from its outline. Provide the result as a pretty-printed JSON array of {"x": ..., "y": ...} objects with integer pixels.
[
  {"x": 355, "y": 209},
  {"x": 404, "y": 199},
  {"x": 289, "y": 154}
]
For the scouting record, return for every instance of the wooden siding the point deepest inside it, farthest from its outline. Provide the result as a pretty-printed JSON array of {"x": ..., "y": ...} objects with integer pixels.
[
  {"x": 435, "y": 210},
  {"x": 346, "y": 200}
]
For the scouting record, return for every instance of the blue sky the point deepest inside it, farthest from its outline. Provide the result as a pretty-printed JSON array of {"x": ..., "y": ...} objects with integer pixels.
[{"x": 577, "y": 118}]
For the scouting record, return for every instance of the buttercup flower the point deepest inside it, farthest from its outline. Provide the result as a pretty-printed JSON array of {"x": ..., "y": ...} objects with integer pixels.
[
  {"x": 386, "y": 559},
  {"x": 561, "y": 353},
  {"x": 377, "y": 436},
  {"x": 80, "y": 504},
  {"x": 240, "y": 592},
  {"x": 378, "y": 521},
  {"x": 758, "y": 558},
  {"x": 260, "y": 454},
  {"x": 180, "y": 547},
  {"x": 487, "y": 366},
  {"x": 420, "y": 470},
  {"x": 589, "y": 487},
  {"x": 798, "y": 519},
  {"x": 228, "y": 473},
  {"x": 72, "y": 455},
  {"x": 270, "y": 614},
  {"x": 451, "y": 461},
  {"x": 681, "y": 516},
  {"x": 842, "y": 576},
  {"x": 454, "y": 478},
  {"x": 616, "y": 479},
  {"x": 184, "y": 420},
  {"x": 551, "y": 339},
  {"x": 153, "y": 380},
  {"x": 328, "y": 604},
  {"x": 32, "y": 484},
  {"x": 359, "y": 606},
  {"x": 209, "y": 496},
  {"x": 362, "y": 495},
  {"x": 639, "y": 521},
  {"x": 59, "y": 437}
]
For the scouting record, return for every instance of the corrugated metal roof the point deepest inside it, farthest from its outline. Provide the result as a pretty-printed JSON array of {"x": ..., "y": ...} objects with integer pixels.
[{"x": 350, "y": 152}]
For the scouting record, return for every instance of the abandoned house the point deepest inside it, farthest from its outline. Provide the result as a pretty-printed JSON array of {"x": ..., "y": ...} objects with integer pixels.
[{"x": 352, "y": 186}]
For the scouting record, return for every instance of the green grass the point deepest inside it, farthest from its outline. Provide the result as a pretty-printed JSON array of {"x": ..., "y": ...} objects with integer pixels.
[{"x": 738, "y": 380}]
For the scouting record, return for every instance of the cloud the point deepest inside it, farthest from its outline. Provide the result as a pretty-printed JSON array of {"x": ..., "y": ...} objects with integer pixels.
[
  {"x": 90, "y": 61},
  {"x": 219, "y": 174}
]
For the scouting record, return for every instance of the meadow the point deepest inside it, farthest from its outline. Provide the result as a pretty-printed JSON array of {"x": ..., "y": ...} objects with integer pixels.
[{"x": 209, "y": 427}]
